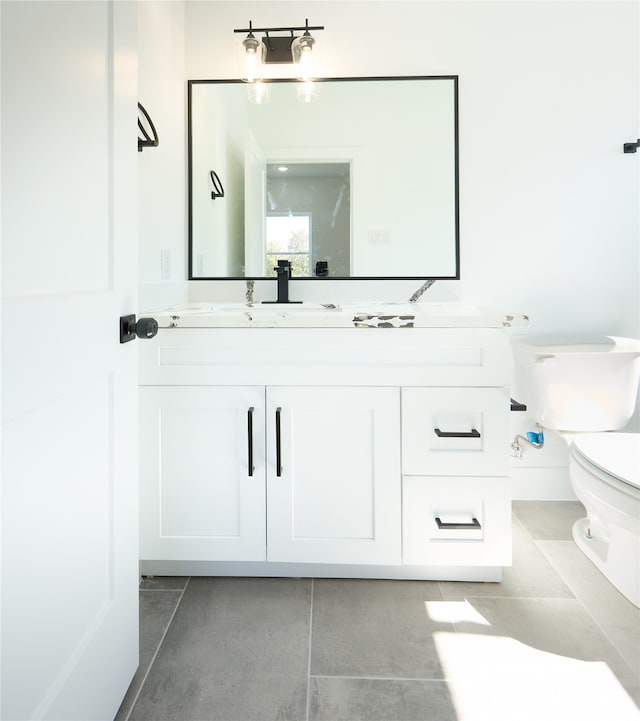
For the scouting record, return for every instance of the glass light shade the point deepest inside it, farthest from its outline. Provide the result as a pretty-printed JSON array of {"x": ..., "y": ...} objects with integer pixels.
[
  {"x": 302, "y": 51},
  {"x": 259, "y": 92},
  {"x": 252, "y": 53},
  {"x": 307, "y": 91}
]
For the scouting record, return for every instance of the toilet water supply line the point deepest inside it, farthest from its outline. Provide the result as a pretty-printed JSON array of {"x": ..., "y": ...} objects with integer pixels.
[{"x": 533, "y": 439}]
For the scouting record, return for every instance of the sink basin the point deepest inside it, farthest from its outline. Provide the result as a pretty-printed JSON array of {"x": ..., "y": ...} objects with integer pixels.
[
  {"x": 280, "y": 308},
  {"x": 255, "y": 309},
  {"x": 230, "y": 315}
]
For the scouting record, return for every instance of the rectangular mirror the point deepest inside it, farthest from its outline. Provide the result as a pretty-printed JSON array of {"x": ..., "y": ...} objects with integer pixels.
[{"x": 360, "y": 183}]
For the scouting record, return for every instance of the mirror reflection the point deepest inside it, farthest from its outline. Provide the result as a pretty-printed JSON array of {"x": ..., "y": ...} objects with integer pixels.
[
  {"x": 308, "y": 218},
  {"x": 362, "y": 183}
]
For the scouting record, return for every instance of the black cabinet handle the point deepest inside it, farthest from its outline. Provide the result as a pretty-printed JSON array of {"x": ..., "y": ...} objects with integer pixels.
[
  {"x": 278, "y": 443},
  {"x": 250, "y": 439},
  {"x": 473, "y": 525},
  {"x": 473, "y": 433}
]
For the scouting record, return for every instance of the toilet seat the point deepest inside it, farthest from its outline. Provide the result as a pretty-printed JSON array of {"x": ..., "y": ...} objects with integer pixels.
[{"x": 615, "y": 454}]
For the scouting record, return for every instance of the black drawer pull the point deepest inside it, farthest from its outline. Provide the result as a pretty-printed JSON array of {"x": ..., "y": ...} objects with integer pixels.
[
  {"x": 250, "y": 439},
  {"x": 278, "y": 443},
  {"x": 474, "y": 525},
  {"x": 473, "y": 433}
]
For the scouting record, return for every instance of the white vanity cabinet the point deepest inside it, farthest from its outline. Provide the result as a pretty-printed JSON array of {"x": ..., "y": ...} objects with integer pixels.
[
  {"x": 314, "y": 479},
  {"x": 326, "y": 452}
]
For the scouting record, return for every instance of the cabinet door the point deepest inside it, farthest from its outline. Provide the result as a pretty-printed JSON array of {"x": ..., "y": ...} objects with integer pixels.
[
  {"x": 202, "y": 473},
  {"x": 333, "y": 475}
]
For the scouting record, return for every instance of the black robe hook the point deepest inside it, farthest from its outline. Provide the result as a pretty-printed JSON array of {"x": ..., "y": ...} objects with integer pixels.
[
  {"x": 218, "y": 190},
  {"x": 146, "y": 141}
]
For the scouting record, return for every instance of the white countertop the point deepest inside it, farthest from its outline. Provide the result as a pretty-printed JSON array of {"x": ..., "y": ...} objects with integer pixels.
[{"x": 350, "y": 315}]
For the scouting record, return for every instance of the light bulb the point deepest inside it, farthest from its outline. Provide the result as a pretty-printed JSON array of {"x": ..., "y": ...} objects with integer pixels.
[
  {"x": 302, "y": 53},
  {"x": 252, "y": 56}
]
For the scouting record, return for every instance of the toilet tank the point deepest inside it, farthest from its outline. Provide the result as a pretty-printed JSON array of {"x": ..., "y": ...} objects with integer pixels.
[{"x": 572, "y": 383}]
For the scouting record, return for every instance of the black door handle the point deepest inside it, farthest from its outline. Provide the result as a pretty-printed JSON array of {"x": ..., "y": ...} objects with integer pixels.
[{"x": 143, "y": 328}]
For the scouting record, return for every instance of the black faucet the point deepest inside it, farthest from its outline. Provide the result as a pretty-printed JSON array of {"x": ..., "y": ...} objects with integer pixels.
[{"x": 283, "y": 271}]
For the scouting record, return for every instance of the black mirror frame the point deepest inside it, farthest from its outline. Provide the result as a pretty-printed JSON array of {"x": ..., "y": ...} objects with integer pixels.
[{"x": 191, "y": 83}]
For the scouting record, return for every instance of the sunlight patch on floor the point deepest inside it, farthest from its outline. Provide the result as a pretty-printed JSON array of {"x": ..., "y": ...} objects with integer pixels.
[
  {"x": 454, "y": 612},
  {"x": 497, "y": 678}
]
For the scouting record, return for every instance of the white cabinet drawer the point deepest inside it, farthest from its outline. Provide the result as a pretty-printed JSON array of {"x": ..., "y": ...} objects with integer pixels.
[
  {"x": 326, "y": 357},
  {"x": 455, "y": 431},
  {"x": 474, "y": 515}
]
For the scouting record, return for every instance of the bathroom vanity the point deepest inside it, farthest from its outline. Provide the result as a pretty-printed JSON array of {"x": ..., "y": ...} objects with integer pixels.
[{"x": 357, "y": 441}]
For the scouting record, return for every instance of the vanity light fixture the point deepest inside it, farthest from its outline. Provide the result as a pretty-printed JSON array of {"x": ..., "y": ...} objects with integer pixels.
[
  {"x": 277, "y": 49},
  {"x": 253, "y": 53},
  {"x": 303, "y": 56}
]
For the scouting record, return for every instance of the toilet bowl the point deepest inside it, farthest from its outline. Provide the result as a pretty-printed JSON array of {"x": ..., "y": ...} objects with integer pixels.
[
  {"x": 585, "y": 389},
  {"x": 604, "y": 469}
]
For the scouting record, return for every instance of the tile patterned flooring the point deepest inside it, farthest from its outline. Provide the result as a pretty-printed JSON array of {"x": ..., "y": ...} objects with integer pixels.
[{"x": 553, "y": 642}]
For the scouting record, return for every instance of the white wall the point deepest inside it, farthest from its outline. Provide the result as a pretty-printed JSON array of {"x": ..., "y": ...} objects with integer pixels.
[
  {"x": 162, "y": 170},
  {"x": 549, "y": 92},
  {"x": 549, "y": 204}
]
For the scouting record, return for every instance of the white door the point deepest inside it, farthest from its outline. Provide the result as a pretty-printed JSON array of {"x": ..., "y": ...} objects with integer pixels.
[
  {"x": 202, "y": 474},
  {"x": 69, "y": 395},
  {"x": 333, "y": 475}
]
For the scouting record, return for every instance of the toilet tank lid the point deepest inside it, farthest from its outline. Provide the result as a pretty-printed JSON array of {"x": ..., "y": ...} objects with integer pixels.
[{"x": 615, "y": 453}]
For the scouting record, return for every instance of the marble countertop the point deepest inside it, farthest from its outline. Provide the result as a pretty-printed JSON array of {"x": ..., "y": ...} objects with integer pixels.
[{"x": 329, "y": 315}]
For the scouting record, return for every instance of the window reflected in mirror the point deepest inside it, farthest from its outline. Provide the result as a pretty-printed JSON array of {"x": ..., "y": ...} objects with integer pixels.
[{"x": 311, "y": 203}]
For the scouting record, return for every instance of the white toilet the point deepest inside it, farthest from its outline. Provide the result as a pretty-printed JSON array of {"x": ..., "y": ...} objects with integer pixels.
[{"x": 585, "y": 389}]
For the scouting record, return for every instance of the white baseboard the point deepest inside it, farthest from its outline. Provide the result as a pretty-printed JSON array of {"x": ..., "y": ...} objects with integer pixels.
[{"x": 481, "y": 574}]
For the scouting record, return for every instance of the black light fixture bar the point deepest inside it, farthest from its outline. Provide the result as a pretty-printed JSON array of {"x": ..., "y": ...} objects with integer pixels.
[
  {"x": 277, "y": 49},
  {"x": 278, "y": 30}
]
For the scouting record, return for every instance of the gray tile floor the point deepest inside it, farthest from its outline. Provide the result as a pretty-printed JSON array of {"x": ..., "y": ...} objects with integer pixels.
[{"x": 553, "y": 642}]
